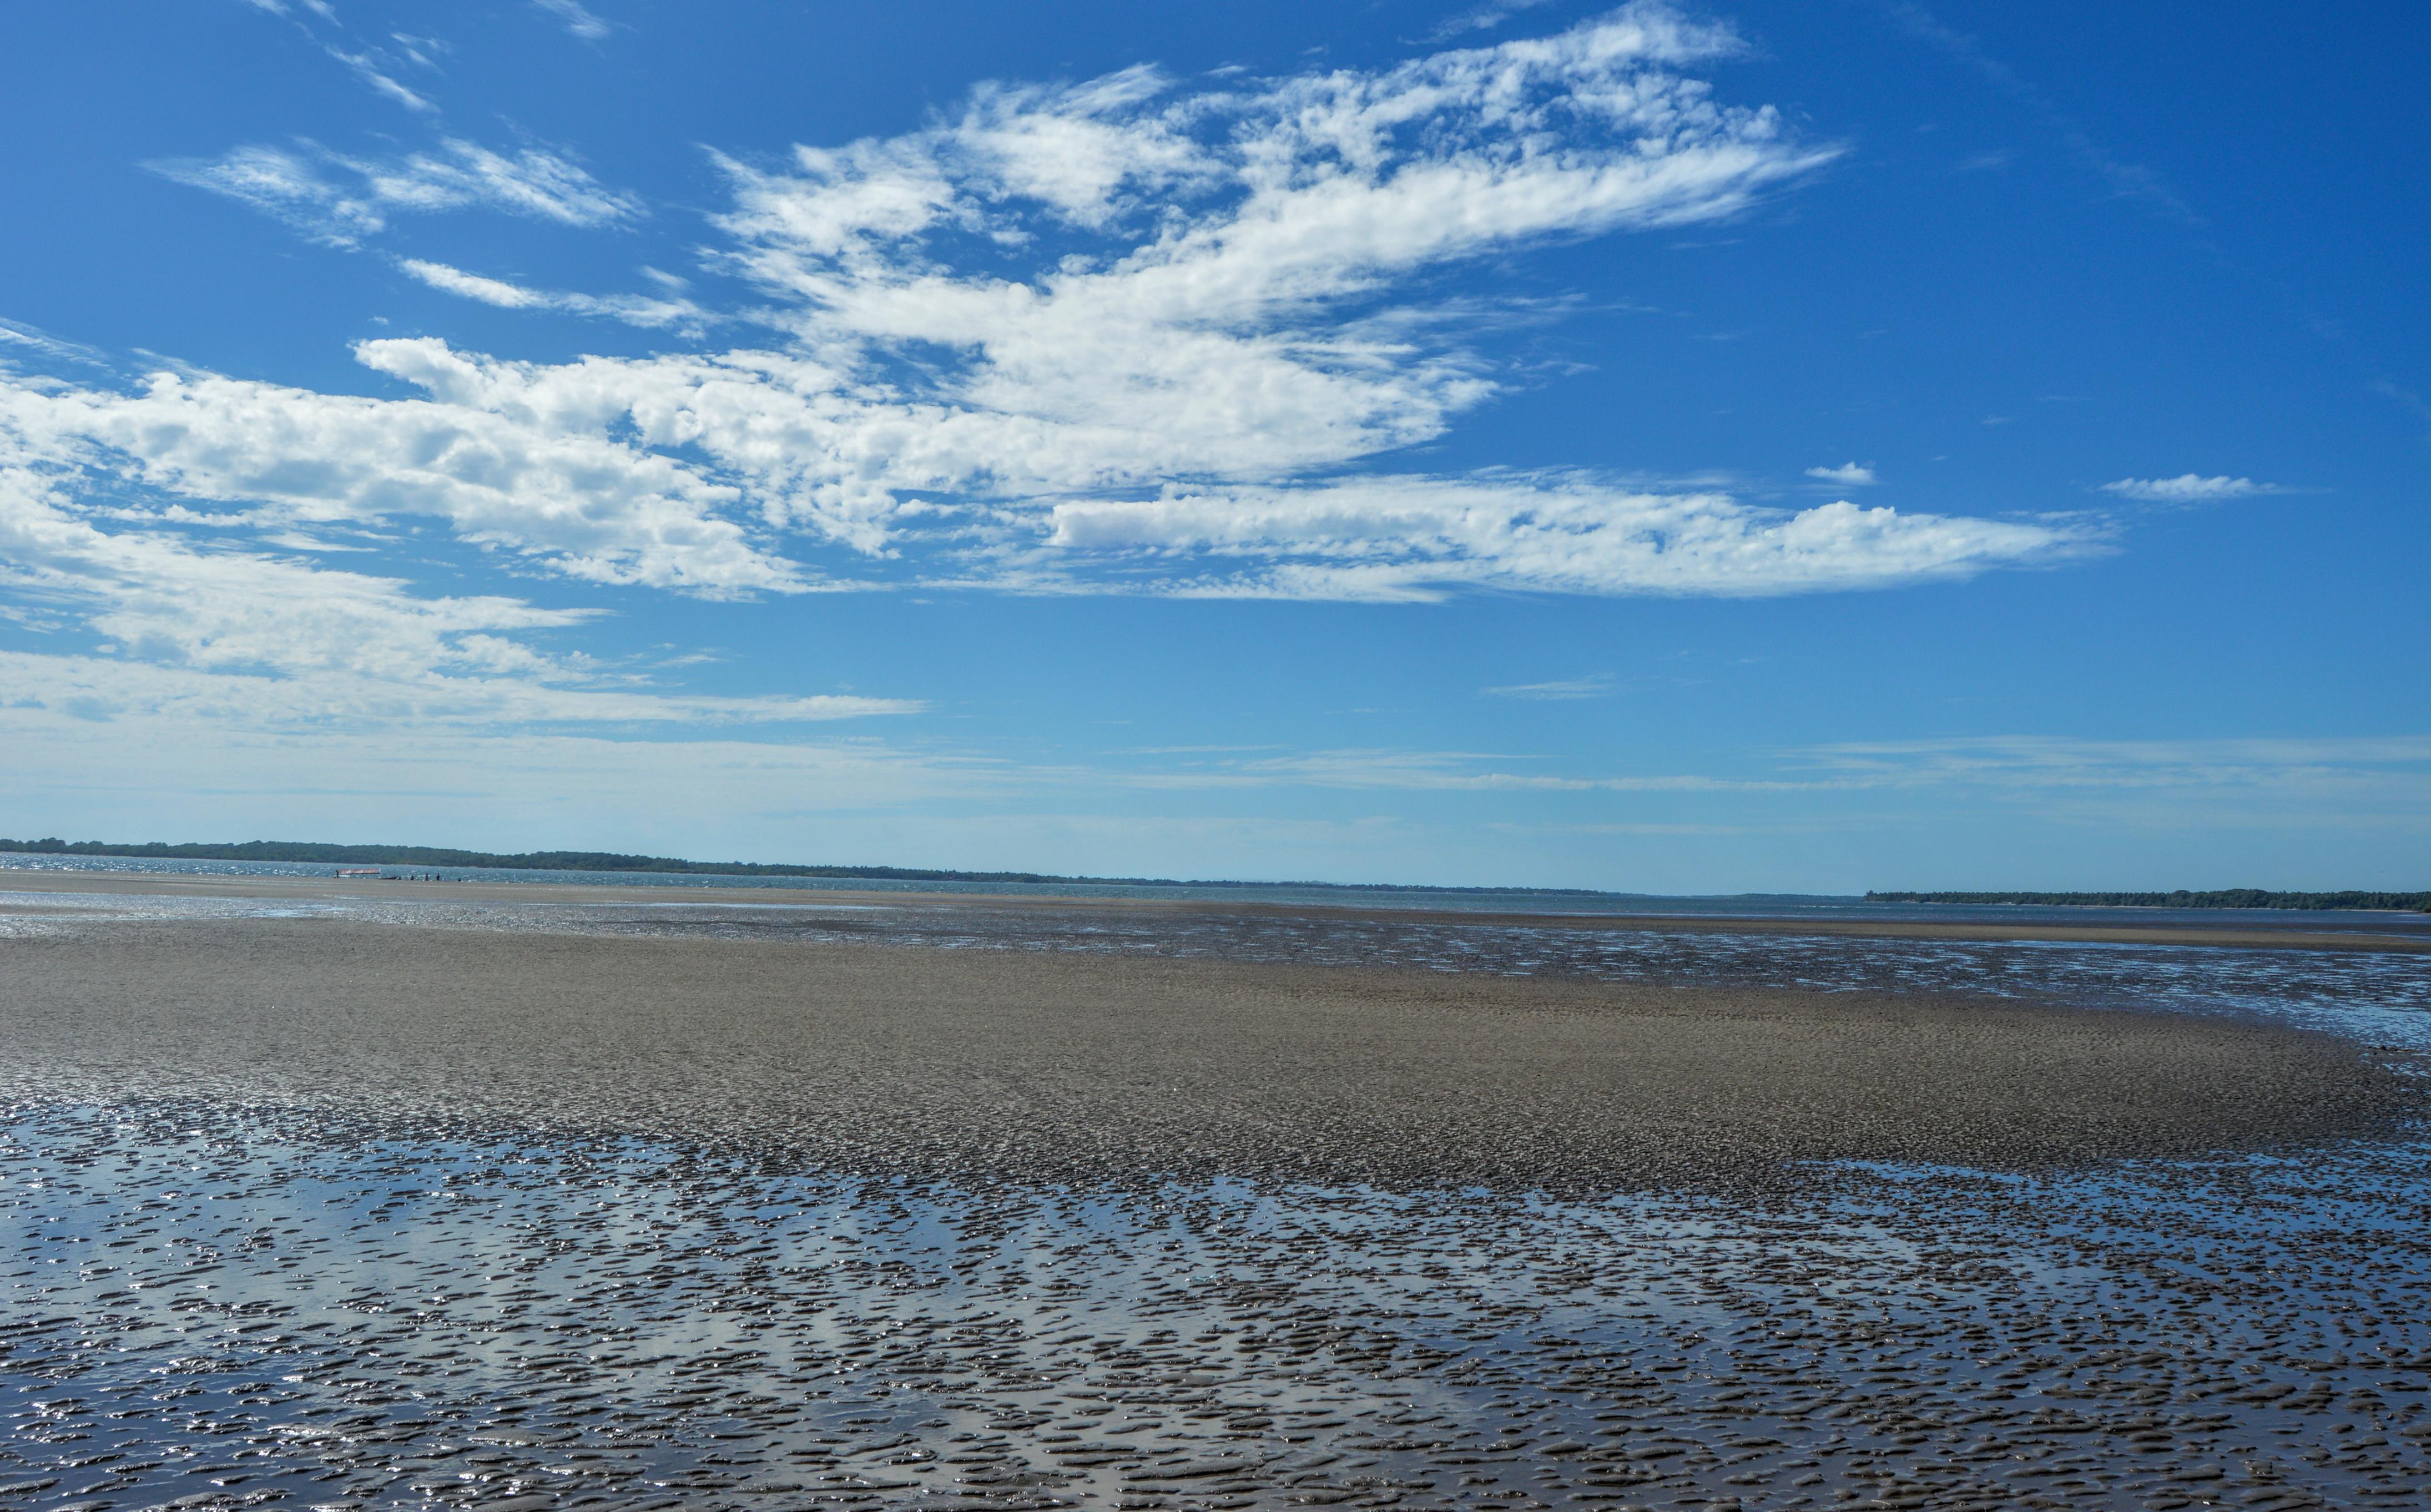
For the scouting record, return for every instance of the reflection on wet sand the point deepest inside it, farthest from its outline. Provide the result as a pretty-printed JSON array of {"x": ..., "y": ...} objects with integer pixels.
[
  {"x": 245, "y": 1270},
  {"x": 216, "y": 1308}
]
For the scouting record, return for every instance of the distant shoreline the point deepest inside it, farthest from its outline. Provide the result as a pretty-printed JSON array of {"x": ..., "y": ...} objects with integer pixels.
[
  {"x": 307, "y": 853},
  {"x": 2218, "y": 897},
  {"x": 2224, "y": 928},
  {"x": 611, "y": 862}
]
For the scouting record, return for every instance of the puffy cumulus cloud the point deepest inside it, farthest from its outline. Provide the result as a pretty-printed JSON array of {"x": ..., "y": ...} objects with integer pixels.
[
  {"x": 2187, "y": 488},
  {"x": 341, "y": 200},
  {"x": 1121, "y": 334},
  {"x": 1418, "y": 537},
  {"x": 1848, "y": 475}
]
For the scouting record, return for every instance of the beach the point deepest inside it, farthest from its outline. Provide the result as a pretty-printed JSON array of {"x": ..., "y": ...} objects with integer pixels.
[
  {"x": 424, "y": 1196},
  {"x": 989, "y": 1064}
]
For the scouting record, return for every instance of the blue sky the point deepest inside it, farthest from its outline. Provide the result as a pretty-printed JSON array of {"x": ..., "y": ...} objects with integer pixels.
[{"x": 1756, "y": 447}]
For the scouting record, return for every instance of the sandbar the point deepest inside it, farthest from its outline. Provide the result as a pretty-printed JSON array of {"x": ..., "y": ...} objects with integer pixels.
[{"x": 973, "y": 1065}]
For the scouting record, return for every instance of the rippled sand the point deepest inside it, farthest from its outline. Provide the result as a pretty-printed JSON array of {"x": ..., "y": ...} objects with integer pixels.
[
  {"x": 328, "y": 1212},
  {"x": 966, "y": 1064}
]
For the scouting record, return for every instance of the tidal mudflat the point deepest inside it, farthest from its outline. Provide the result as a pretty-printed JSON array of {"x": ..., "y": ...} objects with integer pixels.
[{"x": 345, "y": 1201}]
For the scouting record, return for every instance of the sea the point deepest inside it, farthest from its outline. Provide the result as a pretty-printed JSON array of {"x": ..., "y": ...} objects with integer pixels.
[{"x": 212, "y": 1306}]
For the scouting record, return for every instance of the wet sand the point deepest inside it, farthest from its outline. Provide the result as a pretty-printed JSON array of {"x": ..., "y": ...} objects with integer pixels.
[
  {"x": 977, "y": 1065},
  {"x": 506, "y": 1210},
  {"x": 216, "y": 1308},
  {"x": 2401, "y": 934}
]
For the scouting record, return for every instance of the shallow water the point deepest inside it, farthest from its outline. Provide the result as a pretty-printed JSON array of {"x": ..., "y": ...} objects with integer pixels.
[{"x": 209, "y": 1303}]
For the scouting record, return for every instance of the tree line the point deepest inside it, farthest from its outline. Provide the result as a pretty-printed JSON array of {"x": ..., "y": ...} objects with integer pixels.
[{"x": 2214, "y": 897}]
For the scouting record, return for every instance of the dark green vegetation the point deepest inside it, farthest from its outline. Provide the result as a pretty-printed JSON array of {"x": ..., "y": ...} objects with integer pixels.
[
  {"x": 291, "y": 850},
  {"x": 2218, "y": 897},
  {"x": 295, "y": 850}
]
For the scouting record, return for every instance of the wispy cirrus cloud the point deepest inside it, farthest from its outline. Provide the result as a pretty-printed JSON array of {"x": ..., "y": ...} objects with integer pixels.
[
  {"x": 1435, "y": 771},
  {"x": 1480, "y": 18},
  {"x": 1595, "y": 686},
  {"x": 341, "y": 200},
  {"x": 2380, "y": 783},
  {"x": 2225, "y": 782},
  {"x": 633, "y": 310},
  {"x": 1416, "y": 537},
  {"x": 41, "y": 345},
  {"x": 230, "y": 631},
  {"x": 369, "y": 70},
  {"x": 368, "y": 60},
  {"x": 2128, "y": 180},
  {"x": 577, "y": 18},
  {"x": 2188, "y": 488},
  {"x": 2059, "y": 761}
]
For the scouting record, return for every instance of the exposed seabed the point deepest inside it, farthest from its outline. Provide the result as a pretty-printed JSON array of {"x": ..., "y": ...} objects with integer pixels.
[{"x": 212, "y": 1306}]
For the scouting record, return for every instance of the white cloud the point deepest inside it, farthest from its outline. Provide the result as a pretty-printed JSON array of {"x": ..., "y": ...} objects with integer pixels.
[
  {"x": 37, "y": 343},
  {"x": 473, "y": 286},
  {"x": 2206, "y": 782},
  {"x": 221, "y": 631},
  {"x": 1483, "y": 18},
  {"x": 1212, "y": 263},
  {"x": 341, "y": 200},
  {"x": 2187, "y": 488},
  {"x": 1593, "y": 686},
  {"x": 578, "y": 502},
  {"x": 1415, "y": 537},
  {"x": 2064, "y": 762},
  {"x": 102, "y": 687},
  {"x": 368, "y": 64},
  {"x": 2376, "y": 784},
  {"x": 577, "y": 18},
  {"x": 1231, "y": 333},
  {"x": 1848, "y": 475},
  {"x": 721, "y": 795},
  {"x": 367, "y": 68},
  {"x": 633, "y": 310},
  {"x": 1121, "y": 335},
  {"x": 1435, "y": 771}
]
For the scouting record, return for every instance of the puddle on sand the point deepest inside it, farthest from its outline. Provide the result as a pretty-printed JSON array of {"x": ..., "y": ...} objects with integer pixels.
[{"x": 214, "y": 1307}]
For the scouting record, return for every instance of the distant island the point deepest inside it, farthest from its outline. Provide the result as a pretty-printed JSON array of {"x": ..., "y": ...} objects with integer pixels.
[
  {"x": 2217, "y": 898},
  {"x": 312, "y": 853}
]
